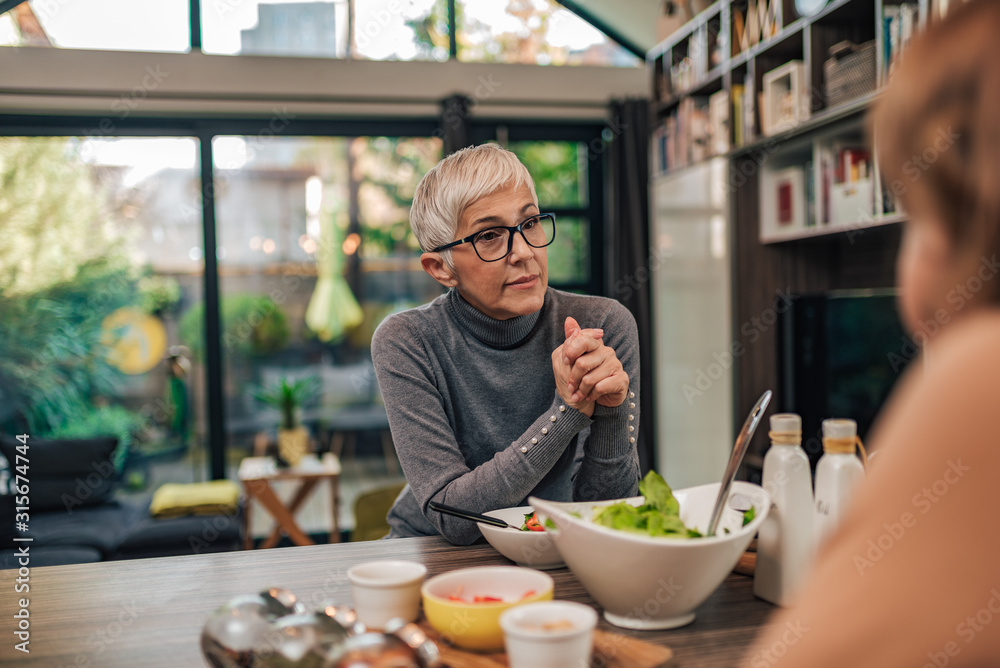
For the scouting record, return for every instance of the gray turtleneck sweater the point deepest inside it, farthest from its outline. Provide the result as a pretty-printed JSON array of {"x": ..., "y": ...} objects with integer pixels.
[{"x": 476, "y": 419}]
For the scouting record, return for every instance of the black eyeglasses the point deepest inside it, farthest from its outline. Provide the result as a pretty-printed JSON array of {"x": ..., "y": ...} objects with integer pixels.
[{"x": 495, "y": 243}]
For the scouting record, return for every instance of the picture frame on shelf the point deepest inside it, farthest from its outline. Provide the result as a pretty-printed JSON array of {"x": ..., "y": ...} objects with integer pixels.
[
  {"x": 788, "y": 191},
  {"x": 784, "y": 102}
]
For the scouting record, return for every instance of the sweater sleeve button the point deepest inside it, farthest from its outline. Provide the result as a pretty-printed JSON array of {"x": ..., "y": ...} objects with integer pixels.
[{"x": 524, "y": 448}]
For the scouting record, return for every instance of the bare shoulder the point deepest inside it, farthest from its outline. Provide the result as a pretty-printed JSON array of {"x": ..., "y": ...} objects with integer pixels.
[
  {"x": 950, "y": 397},
  {"x": 967, "y": 351}
]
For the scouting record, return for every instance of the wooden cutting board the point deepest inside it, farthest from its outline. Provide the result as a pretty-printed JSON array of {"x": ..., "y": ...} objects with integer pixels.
[{"x": 611, "y": 650}]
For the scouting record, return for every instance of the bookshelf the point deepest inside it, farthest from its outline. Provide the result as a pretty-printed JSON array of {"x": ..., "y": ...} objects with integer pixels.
[
  {"x": 782, "y": 101},
  {"x": 748, "y": 75}
]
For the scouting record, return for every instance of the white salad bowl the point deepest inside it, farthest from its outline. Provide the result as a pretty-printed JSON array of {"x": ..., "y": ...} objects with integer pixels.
[
  {"x": 534, "y": 549},
  {"x": 646, "y": 582}
]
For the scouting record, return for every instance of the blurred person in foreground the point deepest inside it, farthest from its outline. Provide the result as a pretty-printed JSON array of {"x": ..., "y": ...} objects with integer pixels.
[
  {"x": 503, "y": 387},
  {"x": 912, "y": 578}
]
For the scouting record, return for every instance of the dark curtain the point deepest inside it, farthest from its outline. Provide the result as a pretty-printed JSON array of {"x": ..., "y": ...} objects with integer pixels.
[
  {"x": 629, "y": 275},
  {"x": 455, "y": 131}
]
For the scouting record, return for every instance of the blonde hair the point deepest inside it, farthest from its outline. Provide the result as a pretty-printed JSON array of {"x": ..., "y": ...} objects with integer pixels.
[
  {"x": 449, "y": 187},
  {"x": 937, "y": 133}
]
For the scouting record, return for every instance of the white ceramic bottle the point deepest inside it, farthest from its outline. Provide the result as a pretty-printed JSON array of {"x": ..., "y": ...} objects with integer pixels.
[
  {"x": 838, "y": 474},
  {"x": 785, "y": 539}
]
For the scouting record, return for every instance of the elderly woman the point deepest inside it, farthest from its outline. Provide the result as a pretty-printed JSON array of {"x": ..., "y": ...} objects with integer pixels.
[{"x": 502, "y": 387}]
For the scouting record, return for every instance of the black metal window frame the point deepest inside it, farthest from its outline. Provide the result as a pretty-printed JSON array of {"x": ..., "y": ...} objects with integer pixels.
[{"x": 206, "y": 129}]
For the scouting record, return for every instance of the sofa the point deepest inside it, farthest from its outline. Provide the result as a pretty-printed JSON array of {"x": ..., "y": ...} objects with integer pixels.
[{"x": 74, "y": 516}]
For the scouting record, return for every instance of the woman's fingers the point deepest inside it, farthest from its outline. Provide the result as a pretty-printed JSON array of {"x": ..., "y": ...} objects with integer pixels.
[
  {"x": 560, "y": 372},
  {"x": 615, "y": 394},
  {"x": 611, "y": 390},
  {"x": 580, "y": 343},
  {"x": 590, "y": 370}
]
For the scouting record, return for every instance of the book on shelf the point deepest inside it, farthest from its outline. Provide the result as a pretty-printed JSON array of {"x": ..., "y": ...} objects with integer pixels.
[
  {"x": 696, "y": 130},
  {"x": 738, "y": 28},
  {"x": 810, "y": 186},
  {"x": 749, "y": 109},
  {"x": 849, "y": 193},
  {"x": 827, "y": 164},
  {"x": 718, "y": 115},
  {"x": 737, "y": 116},
  {"x": 760, "y": 24},
  {"x": 900, "y": 23},
  {"x": 852, "y": 164}
]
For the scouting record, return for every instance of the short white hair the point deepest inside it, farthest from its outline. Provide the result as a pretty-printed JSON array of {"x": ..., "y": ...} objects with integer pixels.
[{"x": 449, "y": 187}]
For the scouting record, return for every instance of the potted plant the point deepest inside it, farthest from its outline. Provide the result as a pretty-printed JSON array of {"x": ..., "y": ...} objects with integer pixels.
[{"x": 288, "y": 397}]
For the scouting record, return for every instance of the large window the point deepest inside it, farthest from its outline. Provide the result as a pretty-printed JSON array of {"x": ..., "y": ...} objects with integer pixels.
[
  {"x": 105, "y": 275},
  {"x": 315, "y": 249},
  {"x": 536, "y": 32},
  {"x": 123, "y": 25},
  {"x": 101, "y": 257},
  {"x": 560, "y": 172},
  {"x": 532, "y": 32}
]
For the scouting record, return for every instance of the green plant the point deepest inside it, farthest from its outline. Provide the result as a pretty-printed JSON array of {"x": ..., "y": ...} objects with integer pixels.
[
  {"x": 288, "y": 396},
  {"x": 251, "y": 324},
  {"x": 94, "y": 421},
  {"x": 158, "y": 294},
  {"x": 65, "y": 265},
  {"x": 53, "y": 361}
]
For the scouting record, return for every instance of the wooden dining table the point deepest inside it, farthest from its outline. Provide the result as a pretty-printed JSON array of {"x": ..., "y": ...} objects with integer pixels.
[{"x": 150, "y": 612}]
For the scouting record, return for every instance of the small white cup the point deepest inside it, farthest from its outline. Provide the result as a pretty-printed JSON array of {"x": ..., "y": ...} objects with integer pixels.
[
  {"x": 383, "y": 590},
  {"x": 549, "y": 634}
]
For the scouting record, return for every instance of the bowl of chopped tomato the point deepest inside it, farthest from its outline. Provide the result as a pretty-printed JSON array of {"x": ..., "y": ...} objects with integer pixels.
[
  {"x": 464, "y": 605},
  {"x": 530, "y": 546}
]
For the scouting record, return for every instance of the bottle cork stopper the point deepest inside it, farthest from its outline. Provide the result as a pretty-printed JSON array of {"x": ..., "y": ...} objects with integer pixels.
[
  {"x": 784, "y": 422},
  {"x": 840, "y": 428}
]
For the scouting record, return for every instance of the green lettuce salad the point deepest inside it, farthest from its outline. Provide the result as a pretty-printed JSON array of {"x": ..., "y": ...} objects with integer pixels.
[{"x": 658, "y": 516}]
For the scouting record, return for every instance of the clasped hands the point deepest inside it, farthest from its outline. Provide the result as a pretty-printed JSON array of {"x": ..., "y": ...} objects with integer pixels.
[{"x": 587, "y": 372}]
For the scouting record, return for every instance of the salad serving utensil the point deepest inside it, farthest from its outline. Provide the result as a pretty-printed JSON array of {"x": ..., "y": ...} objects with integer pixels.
[
  {"x": 469, "y": 515},
  {"x": 736, "y": 458}
]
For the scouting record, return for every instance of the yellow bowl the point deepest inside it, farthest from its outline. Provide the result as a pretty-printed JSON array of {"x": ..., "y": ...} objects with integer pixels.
[{"x": 477, "y": 625}]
